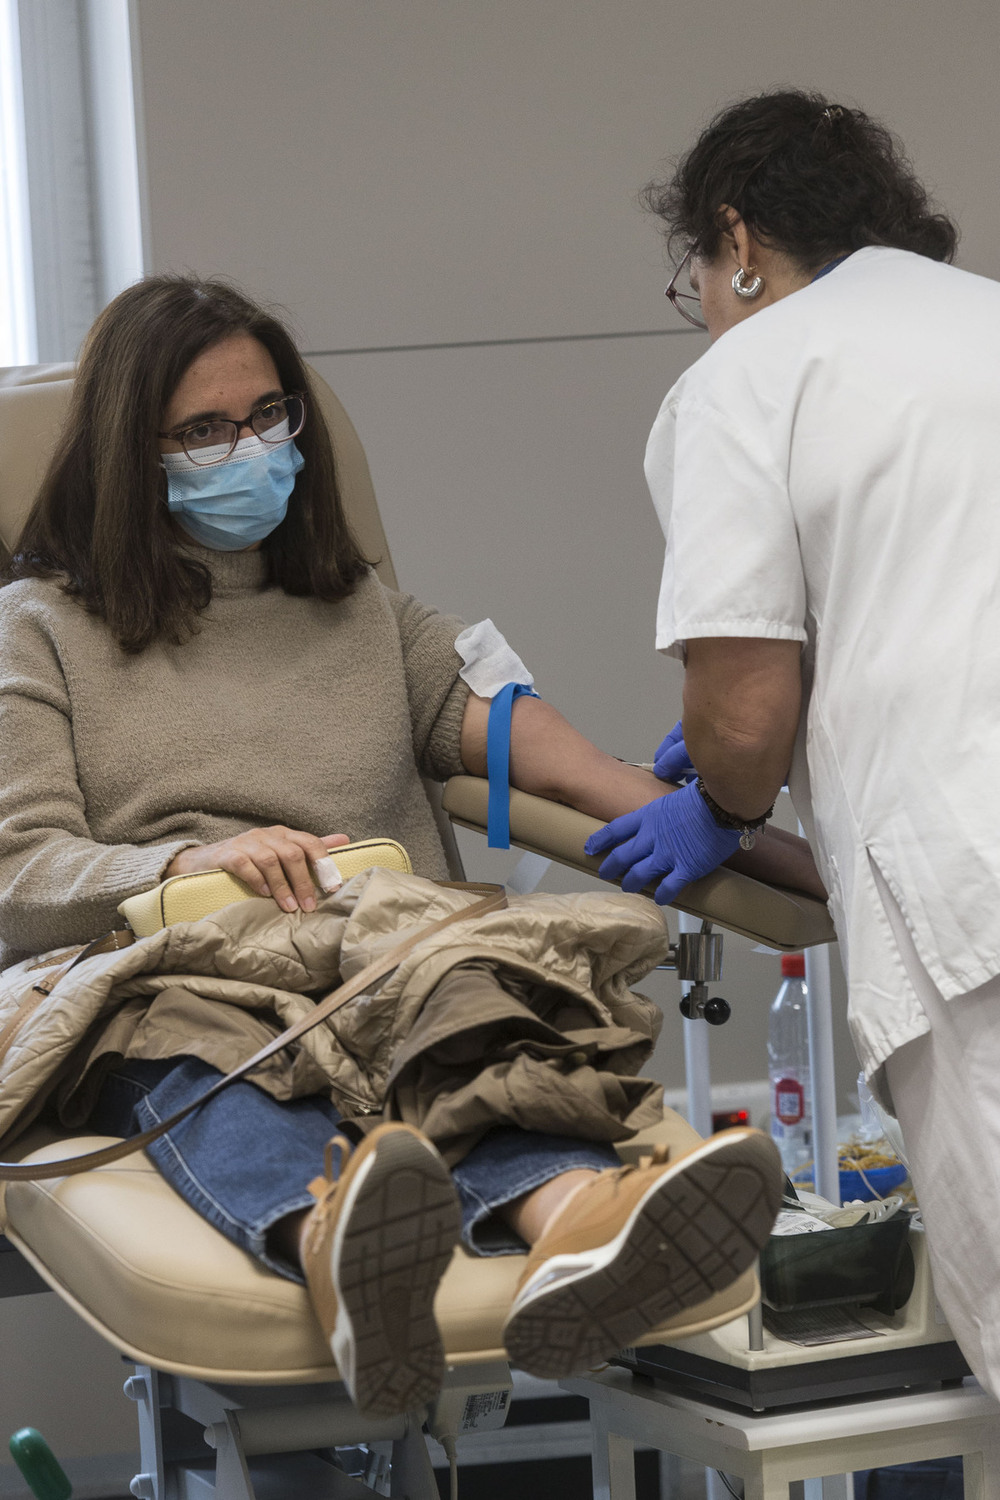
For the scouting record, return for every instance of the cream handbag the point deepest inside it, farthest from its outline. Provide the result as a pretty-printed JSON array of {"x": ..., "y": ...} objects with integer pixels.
[{"x": 188, "y": 898}]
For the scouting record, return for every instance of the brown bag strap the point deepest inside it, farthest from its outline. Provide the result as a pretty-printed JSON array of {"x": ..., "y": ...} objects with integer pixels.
[
  {"x": 68, "y": 1166},
  {"x": 109, "y": 943}
]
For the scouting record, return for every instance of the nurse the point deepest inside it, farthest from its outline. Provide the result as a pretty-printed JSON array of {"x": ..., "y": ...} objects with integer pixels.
[{"x": 828, "y": 483}]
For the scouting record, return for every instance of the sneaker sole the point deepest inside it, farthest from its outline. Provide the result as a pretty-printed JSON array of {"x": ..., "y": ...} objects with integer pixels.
[
  {"x": 689, "y": 1236},
  {"x": 393, "y": 1244}
]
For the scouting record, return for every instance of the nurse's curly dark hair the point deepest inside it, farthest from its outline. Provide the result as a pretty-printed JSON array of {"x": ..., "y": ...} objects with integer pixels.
[
  {"x": 100, "y": 522},
  {"x": 809, "y": 177}
]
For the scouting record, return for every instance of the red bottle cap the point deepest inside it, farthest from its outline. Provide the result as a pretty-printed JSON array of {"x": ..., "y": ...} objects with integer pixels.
[{"x": 793, "y": 966}]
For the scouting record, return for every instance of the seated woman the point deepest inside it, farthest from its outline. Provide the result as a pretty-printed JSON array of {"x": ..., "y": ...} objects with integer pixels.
[{"x": 199, "y": 670}]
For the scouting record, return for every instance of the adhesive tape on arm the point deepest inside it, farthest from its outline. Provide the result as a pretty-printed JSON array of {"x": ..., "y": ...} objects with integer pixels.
[{"x": 328, "y": 876}]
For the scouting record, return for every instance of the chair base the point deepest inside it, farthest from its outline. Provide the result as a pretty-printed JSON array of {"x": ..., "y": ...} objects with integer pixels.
[{"x": 242, "y": 1443}]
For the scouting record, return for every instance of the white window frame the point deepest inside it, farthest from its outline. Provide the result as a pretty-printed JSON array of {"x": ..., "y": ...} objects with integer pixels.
[
  {"x": 82, "y": 158},
  {"x": 18, "y": 344}
]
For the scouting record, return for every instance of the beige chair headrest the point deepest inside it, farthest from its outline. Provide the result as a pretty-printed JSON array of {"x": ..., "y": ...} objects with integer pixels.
[{"x": 33, "y": 404}]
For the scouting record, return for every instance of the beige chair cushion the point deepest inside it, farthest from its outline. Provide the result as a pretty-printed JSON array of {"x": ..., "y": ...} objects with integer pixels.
[
  {"x": 160, "y": 1284},
  {"x": 779, "y": 918}
]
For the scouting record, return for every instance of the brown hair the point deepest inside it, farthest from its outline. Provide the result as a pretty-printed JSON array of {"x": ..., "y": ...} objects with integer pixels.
[
  {"x": 809, "y": 177},
  {"x": 101, "y": 518}
]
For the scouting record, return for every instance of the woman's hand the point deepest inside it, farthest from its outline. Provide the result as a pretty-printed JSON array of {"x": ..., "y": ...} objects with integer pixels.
[{"x": 271, "y": 861}]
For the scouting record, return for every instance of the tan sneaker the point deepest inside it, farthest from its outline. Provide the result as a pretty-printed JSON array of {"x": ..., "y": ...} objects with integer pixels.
[
  {"x": 640, "y": 1244},
  {"x": 378, "y": 1242}
]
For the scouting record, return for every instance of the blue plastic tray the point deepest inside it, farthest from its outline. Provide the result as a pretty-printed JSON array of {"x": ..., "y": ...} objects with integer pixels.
[{"x": 882, "y": 1180}]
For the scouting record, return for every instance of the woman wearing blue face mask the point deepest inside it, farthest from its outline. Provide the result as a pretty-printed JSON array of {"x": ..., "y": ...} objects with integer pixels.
[
  {"x": 199, "y": 670},
  {"x": 229, "y": 492}
]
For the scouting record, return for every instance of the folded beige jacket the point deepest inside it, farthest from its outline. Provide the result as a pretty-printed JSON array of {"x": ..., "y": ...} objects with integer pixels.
[{"x": 556, "y": 1045}]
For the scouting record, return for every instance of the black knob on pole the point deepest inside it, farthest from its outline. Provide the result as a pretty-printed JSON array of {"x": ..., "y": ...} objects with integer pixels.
[{"x": 717, "y": 1011}]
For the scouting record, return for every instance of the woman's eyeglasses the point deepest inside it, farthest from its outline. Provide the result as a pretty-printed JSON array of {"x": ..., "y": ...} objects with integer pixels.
[
  {"x": 687, "y": 302},
  {"x": 211, "y": 441}
]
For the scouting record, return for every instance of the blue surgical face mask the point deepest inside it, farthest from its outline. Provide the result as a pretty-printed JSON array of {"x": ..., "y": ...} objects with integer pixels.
[{"x": 230, "y": 505}]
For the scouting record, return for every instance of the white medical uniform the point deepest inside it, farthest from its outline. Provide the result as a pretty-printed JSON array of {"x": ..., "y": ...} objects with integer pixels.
[{"x": 829, "y": 472}]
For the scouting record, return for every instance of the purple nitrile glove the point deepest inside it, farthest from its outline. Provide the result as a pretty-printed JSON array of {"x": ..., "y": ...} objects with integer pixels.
[
  {"x": 675, "y": 838},
  {"x": 671, "y": 761}
]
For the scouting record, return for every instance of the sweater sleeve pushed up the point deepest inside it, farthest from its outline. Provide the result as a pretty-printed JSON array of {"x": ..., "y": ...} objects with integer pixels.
[
  {"x": 57, "y": 884},
  {"x": 437, "y": 695}
]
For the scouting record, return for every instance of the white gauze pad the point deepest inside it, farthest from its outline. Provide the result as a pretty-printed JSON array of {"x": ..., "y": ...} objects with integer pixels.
[{"x": 488, "y": 662}]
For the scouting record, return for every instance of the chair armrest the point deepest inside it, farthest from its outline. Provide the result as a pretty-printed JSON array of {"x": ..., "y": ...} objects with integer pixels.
[{"x": 766, "y": 913}]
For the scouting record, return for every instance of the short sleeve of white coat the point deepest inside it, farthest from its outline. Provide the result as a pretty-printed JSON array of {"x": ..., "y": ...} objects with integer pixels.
[{"x": 732, "y": 565}]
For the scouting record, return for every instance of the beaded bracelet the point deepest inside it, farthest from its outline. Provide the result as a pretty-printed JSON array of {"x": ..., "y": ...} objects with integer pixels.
[{"x": 743, "y": 826}]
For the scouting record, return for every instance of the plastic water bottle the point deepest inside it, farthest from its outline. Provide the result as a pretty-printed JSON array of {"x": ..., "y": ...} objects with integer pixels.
[{"x": 788, "y": 1070}]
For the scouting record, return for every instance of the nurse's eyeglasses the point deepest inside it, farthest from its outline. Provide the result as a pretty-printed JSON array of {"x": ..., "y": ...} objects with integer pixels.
[{"x": 687, "y": 303}]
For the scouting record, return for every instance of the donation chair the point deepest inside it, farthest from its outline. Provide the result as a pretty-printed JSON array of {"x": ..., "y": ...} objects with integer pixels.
[{"x": 214, "y": 1335}]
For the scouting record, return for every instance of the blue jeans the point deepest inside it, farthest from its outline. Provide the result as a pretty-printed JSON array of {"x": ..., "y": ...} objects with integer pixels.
[{"x": 243, "y": 1160}]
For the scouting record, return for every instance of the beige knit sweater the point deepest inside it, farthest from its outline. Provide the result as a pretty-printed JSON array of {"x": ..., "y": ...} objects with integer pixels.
[{"x": 280, "y": 710}]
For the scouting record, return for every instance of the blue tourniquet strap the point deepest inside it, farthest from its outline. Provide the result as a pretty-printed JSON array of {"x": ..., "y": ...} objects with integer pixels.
[{"x": 498, "y": 763}]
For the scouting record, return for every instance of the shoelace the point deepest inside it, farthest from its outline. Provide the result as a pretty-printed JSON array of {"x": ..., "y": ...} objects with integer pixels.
[
  {"x": 324, "y": 1188},
  {"x": 658, "y": 1157}
]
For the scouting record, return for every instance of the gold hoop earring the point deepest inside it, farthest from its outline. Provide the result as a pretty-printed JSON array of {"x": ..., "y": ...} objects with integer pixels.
[{"x": 746, "y": 289}]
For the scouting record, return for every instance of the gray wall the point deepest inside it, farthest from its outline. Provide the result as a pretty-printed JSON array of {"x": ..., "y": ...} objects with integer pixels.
[{"x": 443, "y": 197}]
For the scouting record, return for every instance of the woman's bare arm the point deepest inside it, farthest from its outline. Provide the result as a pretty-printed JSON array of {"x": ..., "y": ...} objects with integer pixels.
[
  {"x": 552, "y": 759},
  {"x": 780, "y": 858}
]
